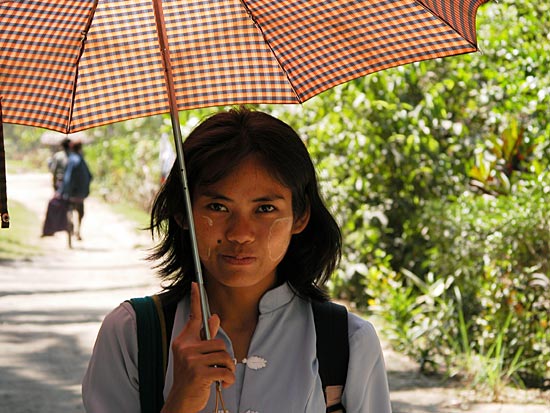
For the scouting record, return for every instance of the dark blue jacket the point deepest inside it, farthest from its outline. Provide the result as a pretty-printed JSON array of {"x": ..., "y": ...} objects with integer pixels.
[{"x": 77, "y": 178}]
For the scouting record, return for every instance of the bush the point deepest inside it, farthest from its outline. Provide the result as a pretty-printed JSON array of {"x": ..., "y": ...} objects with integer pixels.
[{"x": 492, "y": 256}]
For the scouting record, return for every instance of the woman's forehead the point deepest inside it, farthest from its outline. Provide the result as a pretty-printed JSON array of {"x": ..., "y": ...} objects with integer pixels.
[
  {"x": 243, "y": 166},
  {"x": 250, "y": 176}
]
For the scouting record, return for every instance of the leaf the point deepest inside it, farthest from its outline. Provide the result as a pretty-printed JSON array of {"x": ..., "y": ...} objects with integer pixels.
[{"x": 539, "y": 280}]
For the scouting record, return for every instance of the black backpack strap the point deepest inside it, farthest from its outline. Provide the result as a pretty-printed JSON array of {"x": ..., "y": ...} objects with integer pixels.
[
  {"x": 331, "y": 326},
  {"x": 151, "y": 357},
  {"x": 167, "y": 307}
]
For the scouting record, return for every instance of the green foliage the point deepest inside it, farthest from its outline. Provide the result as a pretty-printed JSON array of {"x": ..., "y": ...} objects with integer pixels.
[
  {"x": 498, "y": 159},
  {"x": 496, "y": 251},
  {"x": 492, "y": 370},
  {"x": 23, "y": 148},
  {"x": 122, "y": 160}
]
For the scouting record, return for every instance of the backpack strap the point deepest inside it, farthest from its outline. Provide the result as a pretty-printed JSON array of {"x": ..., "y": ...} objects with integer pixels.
[
  {"x": 151, "y": 336},
  {"x": 331, "y": 326},
  {"x": 166, "y": 307}
]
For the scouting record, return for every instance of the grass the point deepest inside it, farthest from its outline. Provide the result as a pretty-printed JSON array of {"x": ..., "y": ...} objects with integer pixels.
[{"x": 19, "y": 241}]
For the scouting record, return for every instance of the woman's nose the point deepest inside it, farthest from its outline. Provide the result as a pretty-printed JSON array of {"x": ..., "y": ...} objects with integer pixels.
[{"x": 240, "y": 229}]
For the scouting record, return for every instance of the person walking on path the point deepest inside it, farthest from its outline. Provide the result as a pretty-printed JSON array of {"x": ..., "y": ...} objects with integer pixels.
[
  {"x": 58, "y": 163},
  {"x": 76, "y": 185},
  {"x": 267, "y": 245}
]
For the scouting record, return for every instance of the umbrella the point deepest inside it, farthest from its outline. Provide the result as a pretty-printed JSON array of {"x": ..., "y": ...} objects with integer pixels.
[{"x": 70, "y": 65}]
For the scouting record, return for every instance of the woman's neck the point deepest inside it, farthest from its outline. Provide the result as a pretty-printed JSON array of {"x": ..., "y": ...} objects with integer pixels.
[
  {"x": 238, "y": 309},
  {"x": 234, "y": 306}
]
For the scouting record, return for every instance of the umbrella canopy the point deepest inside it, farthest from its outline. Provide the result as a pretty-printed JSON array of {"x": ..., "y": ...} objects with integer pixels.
[{"x": 69, "y": 65}]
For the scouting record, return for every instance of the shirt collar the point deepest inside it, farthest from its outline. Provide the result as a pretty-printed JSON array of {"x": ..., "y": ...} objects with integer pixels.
[{"x": 276, "y": 298}]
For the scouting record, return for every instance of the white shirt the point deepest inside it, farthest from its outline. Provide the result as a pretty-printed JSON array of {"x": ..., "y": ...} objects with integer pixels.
[{"x": 284, "y": 338}]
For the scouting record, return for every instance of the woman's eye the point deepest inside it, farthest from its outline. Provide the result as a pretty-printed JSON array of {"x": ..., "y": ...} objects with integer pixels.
[
  {"x": 266, "y": 208},
  {"x": 217, "y": 207}
]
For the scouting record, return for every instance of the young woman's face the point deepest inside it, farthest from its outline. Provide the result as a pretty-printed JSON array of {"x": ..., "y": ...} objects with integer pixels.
[{"x": 244, "y": 224}]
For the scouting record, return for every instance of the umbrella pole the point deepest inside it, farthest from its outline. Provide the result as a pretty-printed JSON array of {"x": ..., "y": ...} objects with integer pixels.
[
  {"x": 191, "y": 224},
  {"x": 174, "y": 116}
]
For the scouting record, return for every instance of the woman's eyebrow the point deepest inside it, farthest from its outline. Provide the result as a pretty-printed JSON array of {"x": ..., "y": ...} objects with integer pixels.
[
  {"x": 214, "y": 195},
  {"x": 208, "y": 193},
  {"x": 269, "y": 198}
]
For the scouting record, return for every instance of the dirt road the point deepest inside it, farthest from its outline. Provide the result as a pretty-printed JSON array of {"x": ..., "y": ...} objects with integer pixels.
[{"x": 51, "y": 308}]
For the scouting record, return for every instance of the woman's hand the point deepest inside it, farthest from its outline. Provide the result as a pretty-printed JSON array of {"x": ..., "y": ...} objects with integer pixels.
[{"x": 194, "y": 361}]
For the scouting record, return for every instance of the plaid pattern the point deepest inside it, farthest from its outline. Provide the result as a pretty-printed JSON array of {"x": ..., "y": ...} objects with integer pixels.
[
  {"x": 58, "y": 74},
  {"x": 323, "y": 43},
  {"x": 4, "y": 215}
]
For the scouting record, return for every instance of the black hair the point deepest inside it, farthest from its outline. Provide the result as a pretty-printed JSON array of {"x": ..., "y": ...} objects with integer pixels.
[
  {"x": 213, "y": 149},
  {"x": 75, "y": 146}
]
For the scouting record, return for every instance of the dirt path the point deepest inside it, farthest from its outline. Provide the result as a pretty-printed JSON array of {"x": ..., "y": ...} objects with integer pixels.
[{"x": 51, "y": 308}]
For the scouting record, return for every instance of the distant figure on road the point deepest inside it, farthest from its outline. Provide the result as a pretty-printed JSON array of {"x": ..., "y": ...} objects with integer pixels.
[
  {"x": 76, "y": 184},
  {"x": 58, "y": 163}
]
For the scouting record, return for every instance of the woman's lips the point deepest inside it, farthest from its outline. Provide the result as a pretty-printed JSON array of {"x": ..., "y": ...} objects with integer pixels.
[{"x": 238, "y": 260}]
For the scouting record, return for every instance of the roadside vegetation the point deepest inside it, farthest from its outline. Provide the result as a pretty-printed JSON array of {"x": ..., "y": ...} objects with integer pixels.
[
  {"x": 439, "y": 173},
  {"x": 17, "y": 243}
]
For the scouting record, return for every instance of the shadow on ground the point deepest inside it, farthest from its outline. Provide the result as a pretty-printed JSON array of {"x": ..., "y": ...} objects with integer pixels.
[{"x": 51, "y": 367}]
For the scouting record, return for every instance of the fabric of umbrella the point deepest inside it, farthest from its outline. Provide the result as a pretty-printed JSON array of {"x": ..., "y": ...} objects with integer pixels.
[{"x": 70, "y": 65}]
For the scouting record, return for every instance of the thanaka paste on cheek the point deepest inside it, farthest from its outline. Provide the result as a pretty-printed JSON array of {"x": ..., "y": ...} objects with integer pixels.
[
  {"x": 204, "y": 247},
  {"x": 278, "y": 239}
]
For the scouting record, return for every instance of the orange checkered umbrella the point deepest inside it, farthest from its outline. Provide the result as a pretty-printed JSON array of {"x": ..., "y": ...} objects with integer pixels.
[{"x": 69, "y": 65}]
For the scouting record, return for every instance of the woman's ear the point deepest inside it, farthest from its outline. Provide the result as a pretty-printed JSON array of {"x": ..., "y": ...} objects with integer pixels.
[{"x": 301, "y": 222}]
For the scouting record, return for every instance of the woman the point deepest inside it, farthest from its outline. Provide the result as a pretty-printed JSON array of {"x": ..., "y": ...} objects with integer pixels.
[{"x": 267, "y": 245}]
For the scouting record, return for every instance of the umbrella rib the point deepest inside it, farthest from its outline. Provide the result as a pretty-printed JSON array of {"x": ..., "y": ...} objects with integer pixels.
[
  {"x": 249, "y": 12},
  {"x": 82, "y": 44}
]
